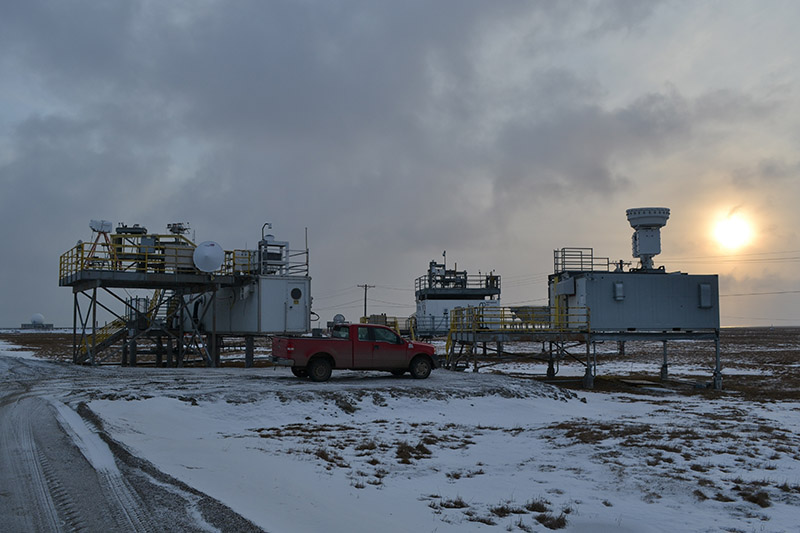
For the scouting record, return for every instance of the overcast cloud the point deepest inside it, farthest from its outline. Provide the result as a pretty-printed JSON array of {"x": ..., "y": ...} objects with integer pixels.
[{"x": 497, "y": 131}]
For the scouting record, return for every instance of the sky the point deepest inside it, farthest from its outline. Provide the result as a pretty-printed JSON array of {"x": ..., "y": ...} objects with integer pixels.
[{"x": 393, "y": 131}]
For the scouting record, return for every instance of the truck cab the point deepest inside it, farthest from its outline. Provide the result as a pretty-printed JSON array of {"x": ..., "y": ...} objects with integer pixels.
[{"x": 354, "y": 347}]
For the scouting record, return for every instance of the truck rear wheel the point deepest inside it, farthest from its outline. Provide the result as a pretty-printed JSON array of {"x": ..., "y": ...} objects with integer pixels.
[
  {"x": 300, "y": 372},
  {"x": 421, "y": 367},
  {"x": 319, "y": 369}
]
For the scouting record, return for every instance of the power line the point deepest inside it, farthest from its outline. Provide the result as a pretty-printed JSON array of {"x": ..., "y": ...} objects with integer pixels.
[
  {"x": 759, "y": 293},
  {"x": 525, "y": 301},
  {"x": 336, "y": 292},
  {"x": 394, "y": 304},
  {"x": 339, "y": 306},
  {"x": 729, "y": 255},
  {"x": 392, "y": 288}
]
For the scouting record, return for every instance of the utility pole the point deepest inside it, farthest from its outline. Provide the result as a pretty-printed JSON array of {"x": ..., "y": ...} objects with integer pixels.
[{"x": 366, "y": 288}]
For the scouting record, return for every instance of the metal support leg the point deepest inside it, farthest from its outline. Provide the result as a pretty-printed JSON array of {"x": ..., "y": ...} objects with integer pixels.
[
  {"x": 132, "y": 352},
  {"x": 475, "y": 357},
  {"x": 588, "y": 377},
  {"x": 180, "y": 340},
  {"x": 717, "y": 366},
  {"x": 75, "y": 328},
  {"x": 451, "y": 355},
  {"x": 94, "y": 323},
  {"x": 159, "y": 352},
  {"x": 551, "y": 360},
  {"x": 214, "y": 339},
  {"x": 664, "y": 365},
  {"x": 248, "y": 351}
]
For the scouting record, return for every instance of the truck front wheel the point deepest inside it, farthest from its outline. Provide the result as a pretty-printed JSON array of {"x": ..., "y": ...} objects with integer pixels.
[
  {"x": 319, "y": 369},
  {"x": 420, "y": 367}
]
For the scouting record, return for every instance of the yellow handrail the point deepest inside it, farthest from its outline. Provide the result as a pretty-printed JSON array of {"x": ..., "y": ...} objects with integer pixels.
[
  {"x": 106, "y": 332},
  {"x": 170, "y": 255},
  {"x": 517, "y": 319}
]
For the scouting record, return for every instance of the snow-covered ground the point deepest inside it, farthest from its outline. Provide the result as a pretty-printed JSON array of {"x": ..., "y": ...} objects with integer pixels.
[{"x": 456, "y": 452}]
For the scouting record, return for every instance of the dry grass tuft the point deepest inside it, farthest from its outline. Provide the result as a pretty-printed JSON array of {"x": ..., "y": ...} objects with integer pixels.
[
  {"x": 457, "y": 503},
  {"x": 537, "y": 506},
  {"x": 505, "y": 510},
  {"x": 482, "y": 520},
  {"x": 552, "y": 522},
  {"x": 760, "y": 498},
  {"x": 405, "y": 452}
]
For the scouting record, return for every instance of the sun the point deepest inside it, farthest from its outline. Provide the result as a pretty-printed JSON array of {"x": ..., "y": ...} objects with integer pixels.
[{"x": 733, "y": 232}]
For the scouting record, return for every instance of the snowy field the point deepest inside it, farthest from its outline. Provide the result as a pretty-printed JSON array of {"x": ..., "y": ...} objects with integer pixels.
[{"x": 464, "y": 451}]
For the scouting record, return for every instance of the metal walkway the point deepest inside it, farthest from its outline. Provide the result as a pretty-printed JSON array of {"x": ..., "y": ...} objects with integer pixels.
[{"x": 472, "y": 328}]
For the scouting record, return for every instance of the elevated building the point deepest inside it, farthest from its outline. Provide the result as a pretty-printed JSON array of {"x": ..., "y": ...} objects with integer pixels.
[
  {"x": 443, "y": 289},
  {"x": 592, "y": 299},
  {"x": 198, "y": 293}
]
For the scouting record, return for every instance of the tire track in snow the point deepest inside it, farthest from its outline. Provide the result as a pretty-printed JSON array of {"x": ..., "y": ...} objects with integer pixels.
[
  {"x": 61, "y": 497},
  {"x": 20, "y": 462},
  {"x": 127, "y": 509}
]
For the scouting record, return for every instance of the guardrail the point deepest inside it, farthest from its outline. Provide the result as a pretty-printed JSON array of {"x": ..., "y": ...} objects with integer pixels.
[
  {"x": 475, "y": 281},
  {"x": 579, "y": 260},
  {"x": 518, "y": 319},
  {"x": 168, "y": 257}
]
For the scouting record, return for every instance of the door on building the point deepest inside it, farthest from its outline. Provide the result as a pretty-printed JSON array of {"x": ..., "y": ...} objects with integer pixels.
[{"x": 297, "y": 315}]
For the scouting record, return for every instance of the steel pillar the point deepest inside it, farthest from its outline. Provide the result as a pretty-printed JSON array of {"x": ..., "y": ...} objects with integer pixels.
[
  {"x": 248, "y": 351},
  {"x": 717, "y": 384},
  {"x": 588, "y": 377}
]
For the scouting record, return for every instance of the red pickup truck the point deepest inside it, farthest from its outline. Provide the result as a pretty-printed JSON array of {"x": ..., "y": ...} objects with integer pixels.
[{"x": 354, "y": 347}]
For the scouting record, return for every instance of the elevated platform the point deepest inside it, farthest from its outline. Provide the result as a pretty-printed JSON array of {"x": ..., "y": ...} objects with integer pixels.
[
  {"x": 448, "y": 284},
  {"x": 478, "y": 326},
  {"x": 120, "y": 279},
  {"x": 183, "y": 316}
]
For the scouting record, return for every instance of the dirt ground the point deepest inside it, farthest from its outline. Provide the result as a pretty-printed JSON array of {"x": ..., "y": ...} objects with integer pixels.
[{"x": 761, "y": 364}]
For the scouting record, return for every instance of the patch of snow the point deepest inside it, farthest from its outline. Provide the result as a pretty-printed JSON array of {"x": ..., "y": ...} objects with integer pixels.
[
  {"x": 88, "y": 442},
  {"x": 10, "y": 350},
  {"x": 297, "y": 456}
]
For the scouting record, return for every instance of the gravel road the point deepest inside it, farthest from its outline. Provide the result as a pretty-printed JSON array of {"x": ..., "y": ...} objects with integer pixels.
[{"x": 60, "y": 472}]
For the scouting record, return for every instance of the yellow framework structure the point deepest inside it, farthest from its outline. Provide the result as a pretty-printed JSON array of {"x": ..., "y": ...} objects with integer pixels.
[
  {"x": 469, "y": 323},
  {"x": 169, "y": 254},
  {"x": 471, "y": 326}
]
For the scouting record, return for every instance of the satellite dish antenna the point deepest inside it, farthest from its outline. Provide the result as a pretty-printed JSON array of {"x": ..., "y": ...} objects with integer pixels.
[{"x": 208, "y": 256}]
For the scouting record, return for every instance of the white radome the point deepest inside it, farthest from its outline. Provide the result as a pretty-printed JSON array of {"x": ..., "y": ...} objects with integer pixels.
[
  {"x": 37, "y": 318},
  {"x": 208, "y": 256}
]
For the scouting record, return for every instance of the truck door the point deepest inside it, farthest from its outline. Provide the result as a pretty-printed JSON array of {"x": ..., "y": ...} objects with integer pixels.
[
  {"x": 388, "y": 349},
  {"x": 362, "y": 347}
]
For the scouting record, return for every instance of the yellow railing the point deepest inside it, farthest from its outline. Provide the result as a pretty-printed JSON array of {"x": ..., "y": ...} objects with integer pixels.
[
  {"x": 165, "y": 254},
  {"x": 105, "y": 332},
  {"x": 394, "y": 322},
  {"x": 518, "y": 319},
  {"x": 528, "y": 319},
  {"x": 168, "y": 257}
]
